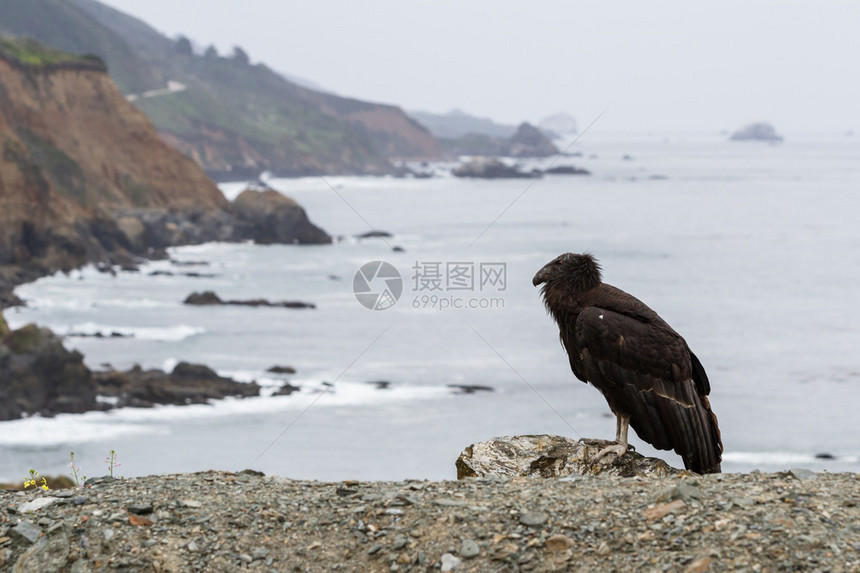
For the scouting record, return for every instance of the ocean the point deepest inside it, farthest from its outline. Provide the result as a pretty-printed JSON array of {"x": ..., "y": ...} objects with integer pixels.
[{"x": 751, "y": 251}]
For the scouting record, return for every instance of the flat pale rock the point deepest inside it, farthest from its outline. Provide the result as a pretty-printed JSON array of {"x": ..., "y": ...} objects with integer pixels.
[
  {"x": 554, "y": 456},
  {"x": 37, "y": 504}
]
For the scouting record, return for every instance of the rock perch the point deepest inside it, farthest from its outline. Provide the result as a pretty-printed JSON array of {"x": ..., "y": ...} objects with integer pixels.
[{"x": 554, "y": 456}]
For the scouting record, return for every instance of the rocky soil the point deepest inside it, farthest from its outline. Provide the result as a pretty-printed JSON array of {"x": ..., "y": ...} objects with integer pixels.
[{"x": 222, "y": 521}]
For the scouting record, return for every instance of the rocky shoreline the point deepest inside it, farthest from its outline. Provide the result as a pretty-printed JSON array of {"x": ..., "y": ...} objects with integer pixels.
[
  {"x": 223, "y": 521},
  {"x": 41, "y": 377}
]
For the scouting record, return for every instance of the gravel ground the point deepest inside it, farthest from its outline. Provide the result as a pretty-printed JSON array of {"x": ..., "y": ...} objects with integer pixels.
[{"x": 221, "y": 521}]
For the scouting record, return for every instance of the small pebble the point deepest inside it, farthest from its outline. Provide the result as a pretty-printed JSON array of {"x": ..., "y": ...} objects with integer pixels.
[
  {"x": 469, "y": 549},
  {"x": 533, "y": 518},
  {"x": 449, "y": 562}
]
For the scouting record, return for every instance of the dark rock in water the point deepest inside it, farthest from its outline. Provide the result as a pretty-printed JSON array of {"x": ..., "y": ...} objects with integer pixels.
[
  {"x": 7, "y": 298},
  {"x": 567, "y": 170},
  {"x": 186, "y": 370},
  {"x": 491, "y": 168},
  {"x": 189, "y": 263},
  {"x": 190, "y": 274},
  {"x": 282, "y": 370},
  {"x": 209, "y": 298},
  {"x": 98, "y": 335},
  {"x": 334, "y": 278},
  {"x": 270, "y": 217},
  {"x": 626, "y": 157},
  {"x": 286, "y": 390},
  {"x": 470, "y": 388},
  {"x": 554, "y": 456},
  {"x": 39, "y": 376},
  {"x": 374, "y": 234},
  {"x": 206, "y": 298},
  {"x": 825, "y": 456},
  {"x": 398, "y": 249},
  {"x": 381, "y": 384},
  {"x": 130, "y": 268},
  {"x": 756, "y": 132},
  {"x": 264, "y": 302},
  {"x": 187, "y": 384}
]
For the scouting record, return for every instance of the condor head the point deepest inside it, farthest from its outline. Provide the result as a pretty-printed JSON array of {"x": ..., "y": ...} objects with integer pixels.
[{"x": 574, "y": 271}]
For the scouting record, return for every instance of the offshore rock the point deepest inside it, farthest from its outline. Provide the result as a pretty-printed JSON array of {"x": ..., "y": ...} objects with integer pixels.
[
  {"x": 756, "y": 132},
  {"x": 270, "y": 217},
  {"x": 210, "y": 298},
  {"x": 491, "y": 168},
  {"x": 554, "y": 456},
  {"x": 187, "y": 384},
  {"x": 39, "y": 376}
]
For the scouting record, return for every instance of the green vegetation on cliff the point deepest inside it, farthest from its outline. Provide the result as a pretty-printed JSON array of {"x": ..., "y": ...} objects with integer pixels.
[
  {"x": 62, "y": 26},
  {"x": 28, "y": 53},
  {"x": 233, "y": 118}
]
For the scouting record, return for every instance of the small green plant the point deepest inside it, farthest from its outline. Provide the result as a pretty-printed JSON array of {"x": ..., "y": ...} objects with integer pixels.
[
  {"x": 34, "y": 480},
  {"x": 75, "y": 470},
  {"x": 113, "y": 462}
]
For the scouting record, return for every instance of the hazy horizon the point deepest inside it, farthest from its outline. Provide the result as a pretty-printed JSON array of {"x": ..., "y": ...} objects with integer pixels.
[{"x": 663, "y": 67}]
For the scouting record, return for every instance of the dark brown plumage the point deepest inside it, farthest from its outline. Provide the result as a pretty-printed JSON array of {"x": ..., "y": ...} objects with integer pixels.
[{"x": 643, "y": 368}]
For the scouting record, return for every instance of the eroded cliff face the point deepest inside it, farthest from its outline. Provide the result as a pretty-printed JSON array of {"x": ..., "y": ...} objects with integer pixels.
[
  {"x": 74, "y": 153},
  {"x": 85, "y": 177}
]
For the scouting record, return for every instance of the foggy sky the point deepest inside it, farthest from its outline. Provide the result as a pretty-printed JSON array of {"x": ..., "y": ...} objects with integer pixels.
[{"x": 656, "y": 66}]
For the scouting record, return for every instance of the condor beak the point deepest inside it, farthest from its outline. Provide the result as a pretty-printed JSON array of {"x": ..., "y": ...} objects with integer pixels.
[{"x": 542, "y": 276}]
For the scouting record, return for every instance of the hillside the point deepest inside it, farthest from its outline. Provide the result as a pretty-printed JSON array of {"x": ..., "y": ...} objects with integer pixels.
[
  {"x": 235, "y": 119},
  {"x": 527, "y": 141},
  {"x": 456, "y": 124},
  {"x": 85, "y": 177}
]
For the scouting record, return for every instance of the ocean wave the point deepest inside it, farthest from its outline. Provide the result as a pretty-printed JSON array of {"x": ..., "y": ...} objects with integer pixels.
[
  {"x": 97, "y": 426},
  {"x": 175, "y": 333},
  {"x": 67, "y": 303},
  {"x": 782, "y": 458},
  {"x": 70, "y": 429}
]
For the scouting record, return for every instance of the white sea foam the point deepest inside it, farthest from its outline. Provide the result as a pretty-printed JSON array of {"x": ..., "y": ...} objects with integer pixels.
[
  {"x": 783, "y": 459},
  {"x": 71, "y": 429},
  {"x": 85, "y": 304},
  {"x": 96, "y": 426},
  {"x": 173, "y": 333}
]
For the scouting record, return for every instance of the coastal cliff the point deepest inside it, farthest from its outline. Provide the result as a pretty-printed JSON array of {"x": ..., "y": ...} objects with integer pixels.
[
  {"x": 85, "y": 177},
  {"x": 234, "y": 118}
]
